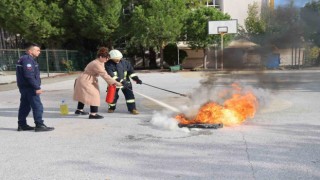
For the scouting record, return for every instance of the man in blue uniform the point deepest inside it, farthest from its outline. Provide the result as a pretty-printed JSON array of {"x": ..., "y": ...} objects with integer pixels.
[
  {"x": 29, "y": 82},
  {"x": 122, "y": 71}
]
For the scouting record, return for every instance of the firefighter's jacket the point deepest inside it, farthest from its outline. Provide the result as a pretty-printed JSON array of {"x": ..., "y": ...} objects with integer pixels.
[{"x": 120, "y": 71}]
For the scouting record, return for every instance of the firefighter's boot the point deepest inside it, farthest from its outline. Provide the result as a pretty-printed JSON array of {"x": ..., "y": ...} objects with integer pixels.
[{"x": 134, "y": 111}]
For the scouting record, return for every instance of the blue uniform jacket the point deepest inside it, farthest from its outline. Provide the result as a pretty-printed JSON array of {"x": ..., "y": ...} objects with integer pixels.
[
  {"x": 120, "y": 71},
  {"x": 28, "y": 73}
]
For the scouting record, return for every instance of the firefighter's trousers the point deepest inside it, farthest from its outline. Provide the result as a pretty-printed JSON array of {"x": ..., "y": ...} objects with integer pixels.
[{"x": 129, "y": 96}]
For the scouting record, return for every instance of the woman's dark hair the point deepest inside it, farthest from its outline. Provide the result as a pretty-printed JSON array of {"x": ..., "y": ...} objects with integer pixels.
[{"x": 103, "y": 51}]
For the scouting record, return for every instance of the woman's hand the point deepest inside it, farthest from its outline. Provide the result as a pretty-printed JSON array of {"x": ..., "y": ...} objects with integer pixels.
[{"x": 118, "y": 84}]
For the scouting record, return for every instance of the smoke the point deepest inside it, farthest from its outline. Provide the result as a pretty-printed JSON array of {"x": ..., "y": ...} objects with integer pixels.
[
  {"x": 165, "y": 120},
  {"x": 264, "y": 97}
]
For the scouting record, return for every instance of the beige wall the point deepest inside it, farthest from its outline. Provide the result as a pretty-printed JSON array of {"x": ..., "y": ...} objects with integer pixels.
[
  {"x": 194, "y": 59},
  {"x": 286, "y": 57}
]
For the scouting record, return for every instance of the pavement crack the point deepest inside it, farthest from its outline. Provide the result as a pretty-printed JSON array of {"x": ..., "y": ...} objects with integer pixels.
[{"x": 248, "y": 155}]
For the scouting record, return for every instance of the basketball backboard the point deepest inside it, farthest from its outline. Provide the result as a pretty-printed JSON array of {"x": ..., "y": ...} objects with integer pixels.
[{"x": 225, "y": 27}]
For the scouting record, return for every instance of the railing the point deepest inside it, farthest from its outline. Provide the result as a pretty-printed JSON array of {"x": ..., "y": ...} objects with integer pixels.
[{"x": 50, "y": 60}]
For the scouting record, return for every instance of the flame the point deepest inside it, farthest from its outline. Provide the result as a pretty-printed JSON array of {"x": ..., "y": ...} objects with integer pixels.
[{"x": 234, "y": 110}]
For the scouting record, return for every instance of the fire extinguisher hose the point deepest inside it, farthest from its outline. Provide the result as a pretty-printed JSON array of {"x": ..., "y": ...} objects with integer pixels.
[{"x": 165, "y": 90}]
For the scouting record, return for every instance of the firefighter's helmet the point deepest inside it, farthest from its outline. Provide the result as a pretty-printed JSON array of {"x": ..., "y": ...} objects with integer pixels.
[{"x": 115, "y": 55}]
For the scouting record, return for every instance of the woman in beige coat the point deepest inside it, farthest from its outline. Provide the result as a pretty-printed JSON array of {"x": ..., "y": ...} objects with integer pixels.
[{"x": 86, "y": 88}]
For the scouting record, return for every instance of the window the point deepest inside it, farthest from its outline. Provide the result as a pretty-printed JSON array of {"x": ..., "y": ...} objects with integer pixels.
[{"x": 213, "y": 3}]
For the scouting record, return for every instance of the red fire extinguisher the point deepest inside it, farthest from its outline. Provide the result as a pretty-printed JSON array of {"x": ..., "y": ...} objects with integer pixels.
[{"x": 111, "y": 92}]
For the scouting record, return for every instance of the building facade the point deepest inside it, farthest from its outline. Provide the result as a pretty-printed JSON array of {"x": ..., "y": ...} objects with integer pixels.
[{"x": 238, "y": 9}]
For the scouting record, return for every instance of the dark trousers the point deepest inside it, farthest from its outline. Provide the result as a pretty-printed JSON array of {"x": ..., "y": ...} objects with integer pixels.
[
  {"x": 30, "y": 100},
  {"x": 93, "y": 109},
  {"x": 129, "y": 96}
]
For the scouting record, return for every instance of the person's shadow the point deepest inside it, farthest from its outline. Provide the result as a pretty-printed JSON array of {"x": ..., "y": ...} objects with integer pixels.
[{"x": 8, "y": 129}]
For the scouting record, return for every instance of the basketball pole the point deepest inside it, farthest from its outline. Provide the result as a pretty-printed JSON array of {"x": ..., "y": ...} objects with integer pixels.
[{"x": 221, "y": 35}]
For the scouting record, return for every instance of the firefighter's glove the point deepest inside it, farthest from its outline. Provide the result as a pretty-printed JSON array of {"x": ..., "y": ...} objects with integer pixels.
[{"x": 137, "y": 80}]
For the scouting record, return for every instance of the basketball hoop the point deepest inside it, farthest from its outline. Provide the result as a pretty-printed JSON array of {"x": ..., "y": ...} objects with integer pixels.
[
  {"x": 222, "y": 28},
  {"x": 227, "y": 26}
]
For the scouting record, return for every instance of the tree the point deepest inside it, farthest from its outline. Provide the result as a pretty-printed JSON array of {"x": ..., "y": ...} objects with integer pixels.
[
  {"x": 255, "y": 26},
  {"x": 286, "y": 27},
  {"x": 279, "y": 27},
  {"x": 56, "y": 23},
  {"x": 171, "y": 56},
  {"x": 310, "y": 15},
  {"x": 34, "y": 20},
  {"x": 91, "y": 21},
  {"x": 153, "y": 23},
  {"x": 195, "y": 3},
  {"x": 196, "y": 27}
]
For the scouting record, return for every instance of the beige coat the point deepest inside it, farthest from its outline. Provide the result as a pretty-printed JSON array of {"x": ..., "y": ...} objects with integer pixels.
[{"x": 86, "y": 88}]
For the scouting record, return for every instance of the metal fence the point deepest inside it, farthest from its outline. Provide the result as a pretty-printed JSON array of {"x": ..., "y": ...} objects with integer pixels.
[{"x": 49, "y": 60}]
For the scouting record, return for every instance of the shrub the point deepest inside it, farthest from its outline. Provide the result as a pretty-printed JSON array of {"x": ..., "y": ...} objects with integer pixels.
[
  {"x": 68, "y": 65},
  {"x": 170, "y": 54}
]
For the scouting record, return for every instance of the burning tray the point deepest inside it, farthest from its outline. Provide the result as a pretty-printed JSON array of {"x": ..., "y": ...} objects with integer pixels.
[{"x": 206, "y": 126}]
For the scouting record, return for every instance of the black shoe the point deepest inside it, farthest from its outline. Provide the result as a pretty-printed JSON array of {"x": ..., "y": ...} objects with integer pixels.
[
  {"x": 43, "y": 127},
  {"x": 25, "y": 128},
  {"x": 97, "y": 116},
  {"x": 81, "y": 112}
]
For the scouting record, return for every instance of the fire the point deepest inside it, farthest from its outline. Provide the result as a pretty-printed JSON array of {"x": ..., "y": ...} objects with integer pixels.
[{"x": 234, "y": 110}]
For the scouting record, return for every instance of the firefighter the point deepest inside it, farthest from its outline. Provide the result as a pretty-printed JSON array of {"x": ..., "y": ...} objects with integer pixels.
[{"x": 121, "y": 70}]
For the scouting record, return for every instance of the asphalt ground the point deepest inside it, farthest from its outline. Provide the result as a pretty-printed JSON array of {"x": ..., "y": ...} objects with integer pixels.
[{"x": 281, "y": 142}]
